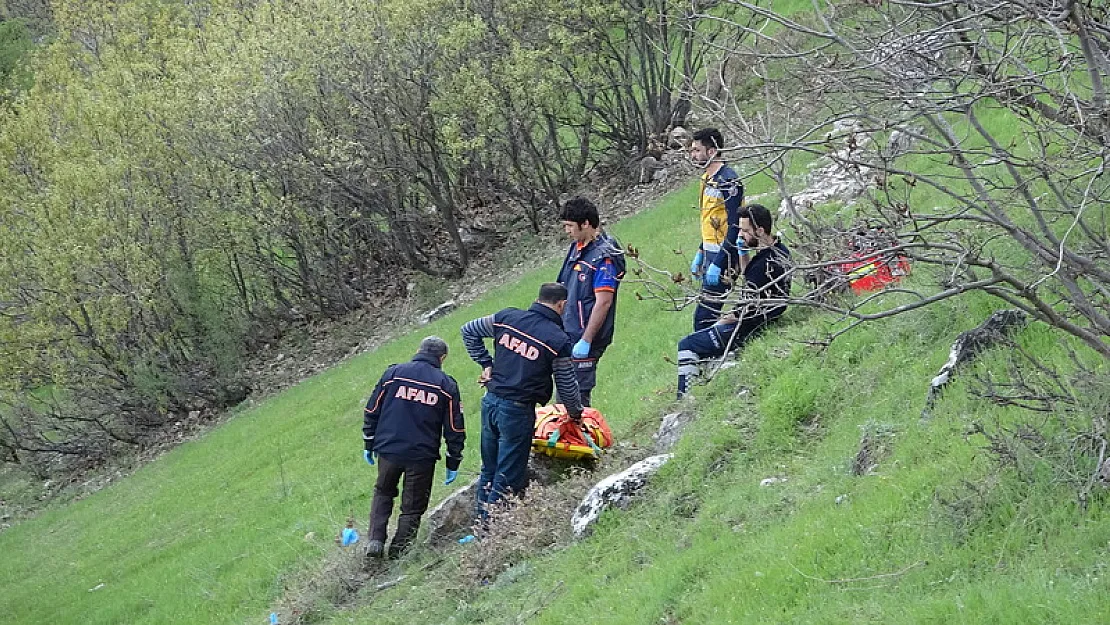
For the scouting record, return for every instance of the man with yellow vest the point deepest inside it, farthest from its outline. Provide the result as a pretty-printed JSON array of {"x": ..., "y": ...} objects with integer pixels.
[{"x": 718, "y": 258}]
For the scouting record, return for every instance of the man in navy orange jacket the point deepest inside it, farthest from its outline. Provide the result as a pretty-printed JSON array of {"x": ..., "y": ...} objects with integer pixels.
[
  {"x": 414, "y": 405},
  {"x": 592, "y": 271}
]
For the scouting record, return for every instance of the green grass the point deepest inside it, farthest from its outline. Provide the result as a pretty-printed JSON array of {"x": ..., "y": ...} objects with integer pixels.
[
  {"x": 214, "y": 531},
  {"x": 207, "y": 532}
]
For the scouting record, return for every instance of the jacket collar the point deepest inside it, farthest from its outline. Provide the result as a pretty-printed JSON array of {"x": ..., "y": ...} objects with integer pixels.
[
  {"x": 546, "y": 312},
  {"x": 431, "y": 360},
  {"x": 602, "y": 239},
  {"x": 723, "y": 173}
]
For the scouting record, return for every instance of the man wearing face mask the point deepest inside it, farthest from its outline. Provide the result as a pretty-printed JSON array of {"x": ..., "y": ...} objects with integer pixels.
[
  {"x": 762, "y": 294},
  {"x": 530, "y": 347},
  {"x": 718, "y": 258}
]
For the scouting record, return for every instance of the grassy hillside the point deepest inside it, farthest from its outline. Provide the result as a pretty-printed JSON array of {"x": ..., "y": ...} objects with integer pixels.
[
  {"x": 207, "y": 532},
  {"x": 936, "y": 532}
]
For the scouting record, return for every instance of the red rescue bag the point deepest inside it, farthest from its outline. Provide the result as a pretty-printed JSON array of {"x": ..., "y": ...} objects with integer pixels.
[{"x": 870, "y": 272}]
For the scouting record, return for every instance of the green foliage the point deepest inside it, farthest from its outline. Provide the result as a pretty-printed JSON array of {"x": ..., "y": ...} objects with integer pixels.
[
  {"x": 186, "y": 178},
  {"x": 934, "y": 532},
  {"x": 15, "y": 45},
  {"x": 182, "y": 174}
]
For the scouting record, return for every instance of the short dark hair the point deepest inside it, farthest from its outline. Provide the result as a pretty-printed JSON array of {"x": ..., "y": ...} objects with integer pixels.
[
  {"x": 710, "y": 138},
  {"x": 580, "y": 210},
  {"x": 433, "y": 346},
  {"x": 552, "y": 293},
  {"x": 759, "y": 216}
]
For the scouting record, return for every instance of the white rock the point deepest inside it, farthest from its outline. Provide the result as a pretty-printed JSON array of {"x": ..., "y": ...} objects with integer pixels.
[
  {"x": 767, "y": 481},
  {"x": 454, "y": 513},
  {"x": 438, "y": 312},
  {"x": 617, "y": 489},
  {"x": 670, "y": 430}
]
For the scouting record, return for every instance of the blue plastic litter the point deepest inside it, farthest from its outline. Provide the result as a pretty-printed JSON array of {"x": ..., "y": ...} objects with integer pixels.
[
  {"x": 469, "y": 538},
  {"x": 349, "y": 537}
]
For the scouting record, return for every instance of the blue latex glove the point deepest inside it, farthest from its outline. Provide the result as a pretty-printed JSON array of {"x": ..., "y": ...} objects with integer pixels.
[
  {"x": 581, "y": 349},
  {"x": 712, "y": 275},
  {"x": 369, "y": 456},
  {"x": 451, "y": 475},
  {"x": 348, "y": 537},
  {"x": 695, "y": 267}
]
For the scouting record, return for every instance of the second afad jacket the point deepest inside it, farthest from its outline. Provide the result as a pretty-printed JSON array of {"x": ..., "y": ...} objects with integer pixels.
[
  {"x": 527, "y": 344},
  {"x": 596, "y": 267},
  {"x": 414, "y": 405}
]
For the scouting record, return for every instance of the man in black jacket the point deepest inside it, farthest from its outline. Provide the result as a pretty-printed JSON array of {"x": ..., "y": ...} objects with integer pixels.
[
  {"x": 763, "y": 289},
  {"x": 414, "y": 405},
  {"x": 530, "y": 347}
]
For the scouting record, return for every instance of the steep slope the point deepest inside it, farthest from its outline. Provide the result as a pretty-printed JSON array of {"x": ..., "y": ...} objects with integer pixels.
[{"x": 936, "y": 531}]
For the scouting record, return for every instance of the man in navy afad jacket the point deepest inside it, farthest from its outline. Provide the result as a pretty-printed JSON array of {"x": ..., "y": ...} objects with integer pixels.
[
  {"x": 530, "y": 347},
  {"x": 592, "y": 271},
  {"x": 414, "y": 405}
]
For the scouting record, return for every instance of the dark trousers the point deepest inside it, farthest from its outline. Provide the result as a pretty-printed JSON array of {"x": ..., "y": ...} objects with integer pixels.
[
  {"x": 713, "y": 342},
  {"x": 716, "y": 339},
  {"x": 585, "y": 369},
  {"x": 709, "y": 306},
  {"x": 417, "y": 491},
  {"x": 507, "y": 428}
]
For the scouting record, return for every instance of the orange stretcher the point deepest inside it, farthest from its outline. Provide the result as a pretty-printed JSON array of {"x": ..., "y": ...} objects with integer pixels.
[{"x": 556, "y": 435}]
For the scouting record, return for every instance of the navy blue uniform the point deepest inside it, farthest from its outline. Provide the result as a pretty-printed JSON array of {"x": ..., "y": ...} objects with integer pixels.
[
  {"x": 526, "y": 346},
  {"x": 414, "y": 405},
  {"x": 596, "y": 267},
  {"x": 767, "y": 276},
  {"x": 599, "y": 266},
  {"x": 530, "y": 347}
]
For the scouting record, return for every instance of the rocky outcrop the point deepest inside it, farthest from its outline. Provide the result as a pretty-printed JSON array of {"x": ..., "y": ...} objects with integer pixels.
[
  {"x": 438, "y": 312},
  {"x": 616, "y": 490},
  {"x": 651, "y": 169},
  {"x": 838, "y": 177},
  {"x": 453, "y": 515},
  {"x": 968, "y": 345},
  {"x": 670, "y": 431}
]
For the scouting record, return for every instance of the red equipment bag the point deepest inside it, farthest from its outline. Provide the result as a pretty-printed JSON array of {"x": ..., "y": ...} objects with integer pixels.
[{"x": 871, "y": 273}]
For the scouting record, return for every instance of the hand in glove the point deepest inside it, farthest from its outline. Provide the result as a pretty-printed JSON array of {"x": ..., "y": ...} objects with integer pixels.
[
  {"x": 368, "y": 456},
  {"x": 712, "y": 275},
  {"x": 581, "y": 349},
  {"x": 695, "y": 267},
  {"x": 451, "y": 475}
]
